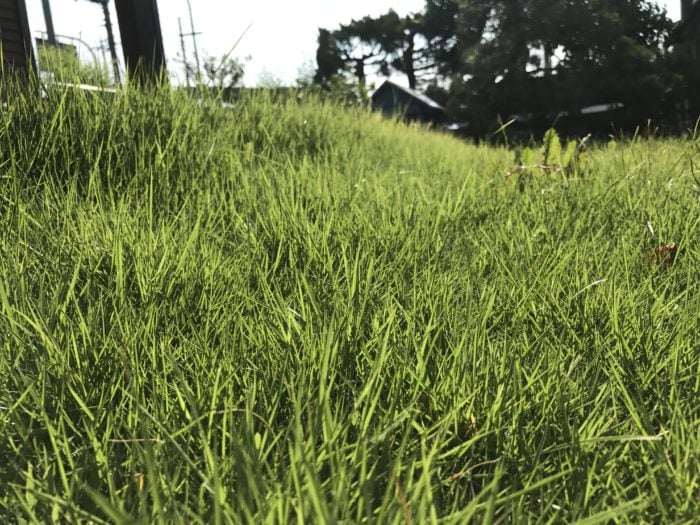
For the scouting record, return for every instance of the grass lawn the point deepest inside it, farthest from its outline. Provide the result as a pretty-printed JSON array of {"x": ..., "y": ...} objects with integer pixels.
[{"x": 293, "y": 312}]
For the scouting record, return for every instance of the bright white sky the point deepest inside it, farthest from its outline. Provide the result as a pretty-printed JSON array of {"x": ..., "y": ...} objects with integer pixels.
[{"x": 280, "y": 42}]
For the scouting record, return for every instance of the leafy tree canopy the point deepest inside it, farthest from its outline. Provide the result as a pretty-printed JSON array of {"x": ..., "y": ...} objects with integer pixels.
[
  {"x": 550, "y": 55},
  {"x": 502, "y": 57},
  {"x": 415, "y": 45}
]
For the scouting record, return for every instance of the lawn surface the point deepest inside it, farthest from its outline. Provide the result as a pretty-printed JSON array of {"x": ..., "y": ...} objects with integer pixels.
[{"x": 289, "y": 311}]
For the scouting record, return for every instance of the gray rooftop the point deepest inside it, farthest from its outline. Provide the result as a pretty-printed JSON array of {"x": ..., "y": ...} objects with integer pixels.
[{"x": 415, "y": 94}]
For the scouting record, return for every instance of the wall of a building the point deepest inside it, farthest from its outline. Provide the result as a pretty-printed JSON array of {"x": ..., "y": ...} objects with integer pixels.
[
  {"x": 15, "y": 37},
  {"x": 139, "y": 25},
  {"x": 391, "y": 101}
]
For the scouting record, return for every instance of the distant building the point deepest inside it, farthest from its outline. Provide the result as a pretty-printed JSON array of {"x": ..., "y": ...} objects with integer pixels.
[
  {"x": 16, "y": 40},
  {"x": 687, "y": 32},
  {"x": 395, "y": 100},
  {"x": 686, "y": 38}
]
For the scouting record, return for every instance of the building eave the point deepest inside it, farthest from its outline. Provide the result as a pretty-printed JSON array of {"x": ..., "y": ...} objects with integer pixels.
[
  {"x": 678, "y": 32},
  {"x": 423, "y": 99}
]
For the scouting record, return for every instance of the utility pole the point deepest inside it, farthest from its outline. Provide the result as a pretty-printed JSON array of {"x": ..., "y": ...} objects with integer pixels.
[
  {"x": 194, "y": 43},
  {"x": 184, "y": 53},
  {"x": 110, "y": 40},
  {"x": 139, "y": 26},
  {"x": 104, "y": 47},
  {"x": 49, "y": 22}
]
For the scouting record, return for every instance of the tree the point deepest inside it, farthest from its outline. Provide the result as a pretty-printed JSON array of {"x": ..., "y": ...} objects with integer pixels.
[
  {"x": 329, "y": 58},
  {"x": 440, "y": 28},
  {"x": 362, "y": 45},
  {"x": 506, "y": 57},
  {"x": 218, "y": 73},
  {"x": 422, "y": 45},
  {"x": 416, "y": 45},
  {"x": 222, "y": 74},
  {"x": 624, "y": 59},
  {"x": 546, "y": 56},
  {"x": 268, "y": 79}
]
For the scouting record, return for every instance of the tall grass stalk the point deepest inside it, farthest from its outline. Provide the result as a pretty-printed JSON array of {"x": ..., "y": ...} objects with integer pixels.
[{"x": 294, "y": 312}]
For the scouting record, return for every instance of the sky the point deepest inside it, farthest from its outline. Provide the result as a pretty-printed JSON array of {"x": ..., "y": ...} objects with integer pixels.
[{"x": 279, "y": 45}]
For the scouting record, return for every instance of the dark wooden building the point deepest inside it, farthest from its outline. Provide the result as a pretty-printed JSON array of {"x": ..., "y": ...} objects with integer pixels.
[
  {"x": 687, "y": 32},
  {"x": 395, "y": 100},
  {"x": 17, "y": 56},
  {"x": 686, "y": 39},
  {"x": 139, "y": 25}
]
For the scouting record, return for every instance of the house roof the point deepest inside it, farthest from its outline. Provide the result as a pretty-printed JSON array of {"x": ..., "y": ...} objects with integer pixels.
[{"x": 411, "y": 92}]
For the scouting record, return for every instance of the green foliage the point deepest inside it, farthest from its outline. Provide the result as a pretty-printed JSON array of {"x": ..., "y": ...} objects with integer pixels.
[
  {"x": 507, "y": 57},
  {"x": 571, "y": 156},
  {"x": 340, "y": 90},
  {"x": 215, "y": 73},
  {"x": 355, "y": 47},
  {"x": 415, "y": 45},
  {"x": 551, "y": 146},
  {"x": 62, "y": 64},
  {"x": 294, "y": 312},
  {"x": 550, "y": 157},
  {"x": 541, "y": 57},
  {"x": 225, "y": 73}
]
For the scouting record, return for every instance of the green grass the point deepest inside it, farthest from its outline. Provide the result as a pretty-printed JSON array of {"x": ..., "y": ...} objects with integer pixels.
[{"x": 294, "y": 312}]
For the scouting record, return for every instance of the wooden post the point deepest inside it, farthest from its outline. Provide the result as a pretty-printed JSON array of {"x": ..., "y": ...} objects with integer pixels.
[
  {"x": 686, "y": 7},
  {"x": 50, "y": 33},
  {"x": 142, "y": 41},
  {"x": 17, "y": 55}
]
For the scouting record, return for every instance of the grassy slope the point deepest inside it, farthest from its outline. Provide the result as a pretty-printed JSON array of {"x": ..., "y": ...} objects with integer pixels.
[{"x": 297, "y": 311}]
